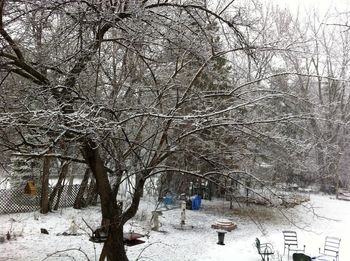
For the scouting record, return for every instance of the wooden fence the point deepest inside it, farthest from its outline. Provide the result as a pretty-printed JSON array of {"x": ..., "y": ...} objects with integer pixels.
[{"x": 15, "y": 200}]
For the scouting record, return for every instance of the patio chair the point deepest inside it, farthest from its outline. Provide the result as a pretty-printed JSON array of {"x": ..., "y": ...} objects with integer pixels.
[
  {"x": 291, "y": 242},
  {"x": 265, "y": 250},
  {"x": 301, "y": 257},
  {"x": 331, "y": 248}
]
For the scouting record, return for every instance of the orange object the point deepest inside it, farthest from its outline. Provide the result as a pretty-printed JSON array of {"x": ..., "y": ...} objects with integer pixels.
[{"x": 30, "y": 188}]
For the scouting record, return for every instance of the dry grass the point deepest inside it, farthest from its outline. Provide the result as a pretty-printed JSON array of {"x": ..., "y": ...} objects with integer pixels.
[{"x": 258, "y": 213}]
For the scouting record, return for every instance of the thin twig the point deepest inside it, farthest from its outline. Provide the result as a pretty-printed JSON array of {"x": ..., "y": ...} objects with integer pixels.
[{"x": 66, "y": 250}]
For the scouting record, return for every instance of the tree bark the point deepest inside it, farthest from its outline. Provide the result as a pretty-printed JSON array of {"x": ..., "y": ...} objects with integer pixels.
[
  {"x": 112, "y": 223},
  {"x": 65, "y": 170},
  {"x": 62, "y": 176},
  {"x": 115, "y": 244},
  {"x": 79, "y": 200},
  {"x": 59, "y": 195},
  {"x": 44, "y": 201},
  {"x": 92, "y": 193}
]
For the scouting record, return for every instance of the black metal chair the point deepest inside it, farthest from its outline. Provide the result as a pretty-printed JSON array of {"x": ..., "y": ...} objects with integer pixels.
[
  {"x": 301, "y": 257},
  {"x": 265, "y": 250}
]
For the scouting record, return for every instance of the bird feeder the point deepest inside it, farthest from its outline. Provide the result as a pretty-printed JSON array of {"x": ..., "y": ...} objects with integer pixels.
[
  {"x": 30, "y": 188},
  {"x": 221, "y": 237},
  {"x": 99, "y": 236}
]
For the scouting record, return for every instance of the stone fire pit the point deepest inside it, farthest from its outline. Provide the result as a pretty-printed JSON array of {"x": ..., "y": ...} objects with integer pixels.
[{"x": 224, "y": 224}]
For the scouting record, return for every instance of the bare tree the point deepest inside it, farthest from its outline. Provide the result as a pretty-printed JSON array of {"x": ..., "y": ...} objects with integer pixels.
[
  {"x": 322, "y": 65},
  {"x": 114, "y": 79}
]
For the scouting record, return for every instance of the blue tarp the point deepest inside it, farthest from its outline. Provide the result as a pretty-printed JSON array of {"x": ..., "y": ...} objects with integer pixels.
[{"x": 168, "y": 200}]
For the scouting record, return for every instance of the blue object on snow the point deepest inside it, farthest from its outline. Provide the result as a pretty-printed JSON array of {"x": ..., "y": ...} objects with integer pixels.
[
  {"x": 196, "y": 202},
  {"x": 168, "y": 200}
]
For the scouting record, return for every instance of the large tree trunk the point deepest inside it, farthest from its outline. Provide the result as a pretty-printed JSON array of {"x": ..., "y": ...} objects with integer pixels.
[
  {"x": 112, "y": 223},
  {"x": 114, "y": 244}
]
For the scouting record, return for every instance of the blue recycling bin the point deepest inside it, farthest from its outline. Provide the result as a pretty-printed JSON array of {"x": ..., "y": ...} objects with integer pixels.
[{"x": 196, "y": 202}]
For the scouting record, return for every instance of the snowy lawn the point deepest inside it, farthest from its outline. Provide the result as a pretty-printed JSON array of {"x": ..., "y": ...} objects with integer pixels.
[{"x": 322, "y": 216}]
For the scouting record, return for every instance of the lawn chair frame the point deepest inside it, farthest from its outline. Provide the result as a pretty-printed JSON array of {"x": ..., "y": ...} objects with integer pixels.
[
  {"x": 265, "y": 250},
  {"x": 291, "y": 242},
  {"x": 331, "y": 247}
]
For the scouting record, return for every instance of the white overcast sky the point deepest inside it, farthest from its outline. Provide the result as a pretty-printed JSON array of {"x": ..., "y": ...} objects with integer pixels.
[{"x": 322, "y": 5}]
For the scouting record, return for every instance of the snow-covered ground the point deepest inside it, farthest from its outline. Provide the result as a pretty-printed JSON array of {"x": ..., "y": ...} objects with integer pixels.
[{"x": 322, "y": 216}]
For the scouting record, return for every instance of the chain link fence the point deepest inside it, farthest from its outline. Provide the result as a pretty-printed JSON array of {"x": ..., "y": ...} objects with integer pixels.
[{"x": 14, "y": 200}]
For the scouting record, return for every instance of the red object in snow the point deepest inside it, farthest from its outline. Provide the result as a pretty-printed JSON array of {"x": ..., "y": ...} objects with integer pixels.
[{"x": 132, "y": 239}]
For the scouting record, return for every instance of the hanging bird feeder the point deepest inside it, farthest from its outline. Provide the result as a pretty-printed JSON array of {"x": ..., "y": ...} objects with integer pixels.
[{"x": 30, "y": 188}]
